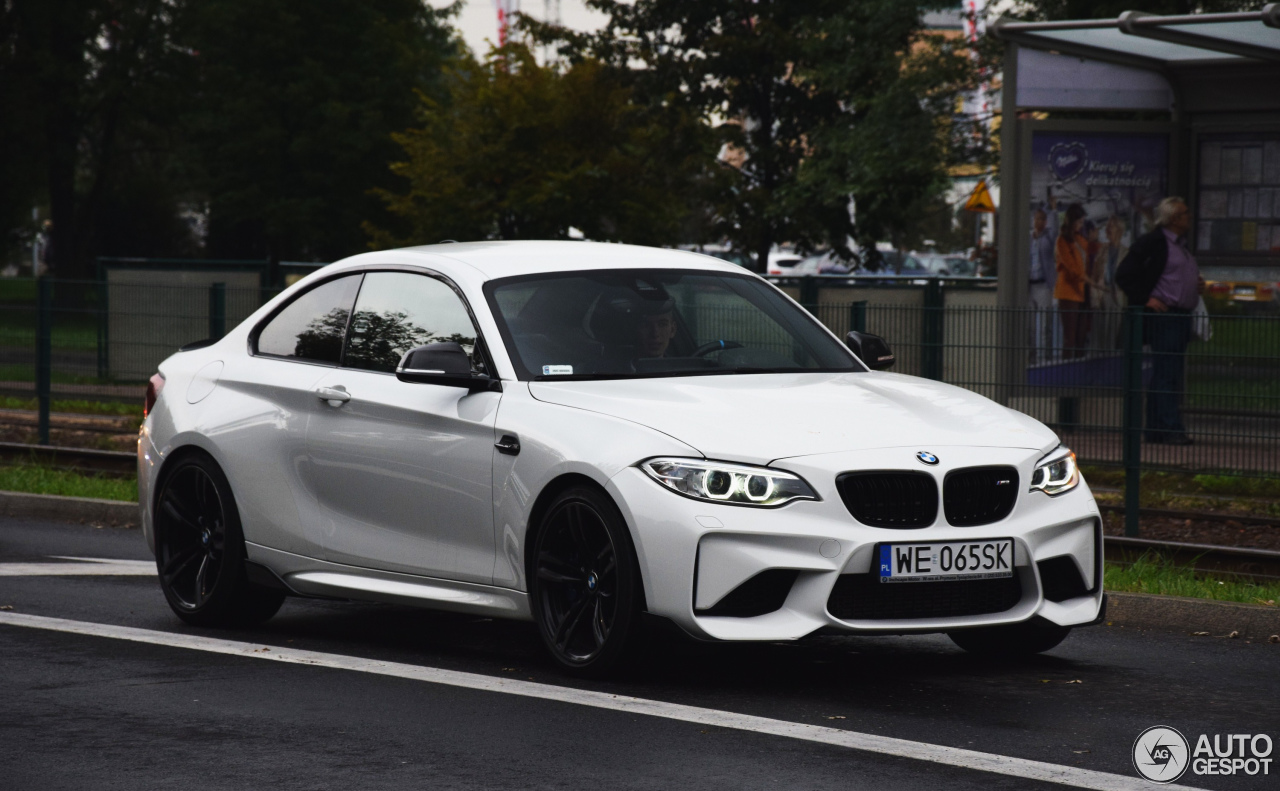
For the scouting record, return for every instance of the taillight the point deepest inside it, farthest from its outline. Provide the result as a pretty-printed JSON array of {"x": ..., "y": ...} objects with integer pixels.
[
  {"x": 1219, "y": 288},
  {"x": 154, "y": 386}
]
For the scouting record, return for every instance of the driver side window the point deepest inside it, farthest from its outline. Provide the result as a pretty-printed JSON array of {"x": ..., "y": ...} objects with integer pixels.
[{"x": 397, "y": 311}]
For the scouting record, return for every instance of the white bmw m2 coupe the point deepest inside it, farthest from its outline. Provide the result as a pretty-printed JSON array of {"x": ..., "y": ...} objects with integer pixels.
[{"x": 583, "y": 435}]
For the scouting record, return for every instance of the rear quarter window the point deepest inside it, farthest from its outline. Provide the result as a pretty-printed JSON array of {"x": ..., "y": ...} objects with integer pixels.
[{"x": 313, "y": 326}]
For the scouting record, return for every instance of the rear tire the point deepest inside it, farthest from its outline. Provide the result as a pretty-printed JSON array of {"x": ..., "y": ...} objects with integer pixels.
[
  {"x": 584, "y": 583},
  {"x": 1022, "y": 639},
  {"x": 200, "y": 550}
]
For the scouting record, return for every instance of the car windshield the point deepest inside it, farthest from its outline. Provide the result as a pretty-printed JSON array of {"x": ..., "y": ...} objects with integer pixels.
[{"x": 612, "y": 324}]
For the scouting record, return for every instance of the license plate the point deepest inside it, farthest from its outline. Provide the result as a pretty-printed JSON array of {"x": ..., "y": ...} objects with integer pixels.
[{"x": 948, "y": 560}]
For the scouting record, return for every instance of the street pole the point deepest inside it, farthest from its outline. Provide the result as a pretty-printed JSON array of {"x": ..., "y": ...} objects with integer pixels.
[
  {"x": 1132, "y": 430},
  {"x": 44, "y": 354}
]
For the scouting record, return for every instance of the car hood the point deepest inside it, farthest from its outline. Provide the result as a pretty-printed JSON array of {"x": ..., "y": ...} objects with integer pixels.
[{"x": 758, "y": 418}]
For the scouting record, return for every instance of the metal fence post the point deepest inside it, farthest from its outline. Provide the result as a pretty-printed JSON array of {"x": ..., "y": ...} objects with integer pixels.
[
  {"x": 44, "y": 354},
  {"x": 1132, "y": 417},
  {"x": 858, "y": 316},
  {"x": 931, "y": 331},
  {"x": 217, "y": 310},
  {"x": 809, "y": 292},
  {"x": 102, "y": 328}
]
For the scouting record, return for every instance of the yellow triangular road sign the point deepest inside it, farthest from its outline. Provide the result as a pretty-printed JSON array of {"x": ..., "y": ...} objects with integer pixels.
[{"x": 980, "y": 199}]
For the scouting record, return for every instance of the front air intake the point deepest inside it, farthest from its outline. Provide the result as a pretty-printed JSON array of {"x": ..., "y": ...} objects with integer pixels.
[
  {"x": 902, "y": 500},
  {"x": 1061, "y": 579},
  {"x": 764, "y": 593},
  {"x": 863, "y": 597},
  {"x": 979, "y": 495}
]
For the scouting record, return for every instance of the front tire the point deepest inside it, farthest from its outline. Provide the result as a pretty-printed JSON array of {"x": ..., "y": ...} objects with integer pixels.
[
  {"x": 1015, "y": 640},
  {"x": 584, "y": 583},
  {"x": 200, "y": 550}
]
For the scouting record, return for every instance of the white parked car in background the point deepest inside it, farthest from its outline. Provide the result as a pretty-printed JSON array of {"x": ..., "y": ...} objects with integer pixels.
[
  {"x": 782, "y": 262},
  {"x": 573, "y": 433}
]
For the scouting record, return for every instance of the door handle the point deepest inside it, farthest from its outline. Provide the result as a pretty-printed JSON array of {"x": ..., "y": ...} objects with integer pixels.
[
  {"x": 333, "y": 395},
  {"x": 509, "y": 445}
]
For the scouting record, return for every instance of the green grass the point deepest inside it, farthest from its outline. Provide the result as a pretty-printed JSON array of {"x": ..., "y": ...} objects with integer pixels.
[
  {"x": 27, "y": 373},
  {"x": 18, "y": 290},
  {"x": 1154, "y": 482},
  {"x": 35, "y": 479},
  {"x": 1250, "y": 331},
  {"x": 1235, "y": 393},
  {"x": 1156, "y": 574},
  {"x": 71, "y": 331},
  {"x": 78, "y": 407}
]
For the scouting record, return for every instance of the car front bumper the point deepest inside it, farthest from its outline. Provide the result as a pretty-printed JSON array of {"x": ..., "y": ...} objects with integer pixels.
[{"x": 692, "y": 553}]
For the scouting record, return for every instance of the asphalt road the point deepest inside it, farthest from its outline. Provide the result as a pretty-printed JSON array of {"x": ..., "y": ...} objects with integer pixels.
[{"x": 90, "y": 711}]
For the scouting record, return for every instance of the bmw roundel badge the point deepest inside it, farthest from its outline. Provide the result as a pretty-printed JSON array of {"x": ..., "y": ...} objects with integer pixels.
[{"x": 927, "y": 457}]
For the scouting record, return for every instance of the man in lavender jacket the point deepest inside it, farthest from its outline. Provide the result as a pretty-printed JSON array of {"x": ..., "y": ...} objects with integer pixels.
[{"x": 1160, "y": 274}]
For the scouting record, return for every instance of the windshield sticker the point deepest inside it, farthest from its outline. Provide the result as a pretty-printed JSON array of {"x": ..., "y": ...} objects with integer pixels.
[{"x": 557, "y": 370}]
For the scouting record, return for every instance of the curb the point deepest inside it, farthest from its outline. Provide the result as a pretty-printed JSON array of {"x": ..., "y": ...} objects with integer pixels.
[
  {"x": 115, "y": 513},
  {"x": 1178, "y": 614}
]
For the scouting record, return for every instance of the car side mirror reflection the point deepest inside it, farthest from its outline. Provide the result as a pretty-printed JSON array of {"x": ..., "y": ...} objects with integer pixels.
[
  {"x": 871, "y": 349},
  {"x": 443, "y": 363}
]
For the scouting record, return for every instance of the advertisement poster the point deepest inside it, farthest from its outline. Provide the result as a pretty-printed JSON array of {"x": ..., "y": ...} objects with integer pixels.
[{"x": 1110, "y": 184}]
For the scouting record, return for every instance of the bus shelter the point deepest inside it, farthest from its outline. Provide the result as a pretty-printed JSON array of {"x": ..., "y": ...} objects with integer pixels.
[{"x": 1117, "y": 114}]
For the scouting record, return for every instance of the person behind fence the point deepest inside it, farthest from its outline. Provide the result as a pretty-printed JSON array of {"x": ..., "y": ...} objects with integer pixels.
[
  {"x": 1110, "y": 299},
  {"x": 42, "y": 253},
  {"x": 1072, "y": 289},
  {"x": 1160, "y": 274},
  {"x": 1043, "y": 277}
]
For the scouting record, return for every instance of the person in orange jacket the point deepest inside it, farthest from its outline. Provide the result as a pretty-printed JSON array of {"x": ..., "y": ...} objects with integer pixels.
[{"x": 1072, "y": 290}]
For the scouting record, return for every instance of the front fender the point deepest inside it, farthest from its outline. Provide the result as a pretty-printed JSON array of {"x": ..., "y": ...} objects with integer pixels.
[{"x": 556, "y": 441}]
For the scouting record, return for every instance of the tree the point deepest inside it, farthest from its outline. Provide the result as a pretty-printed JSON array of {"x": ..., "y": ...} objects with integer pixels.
[
  {"x": 273, "y": 120},
  {"x": 291, "y": 114},
  {"x": 522, "y": 151},
  {"x": 21, "y": 141},
  {"x": 71, "y": 72},
  {"x": 822, "y": 101}
]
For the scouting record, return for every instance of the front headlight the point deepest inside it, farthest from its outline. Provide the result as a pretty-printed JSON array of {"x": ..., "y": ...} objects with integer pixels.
[
  {"x": 1056, "y": 473},
  {"x": 739, "y": 484}
]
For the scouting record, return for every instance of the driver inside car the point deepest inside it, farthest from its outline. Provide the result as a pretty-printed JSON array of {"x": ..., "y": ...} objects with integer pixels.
[
  {"x": 654, "y": 331},
  {"x": 635, "y": 325}
]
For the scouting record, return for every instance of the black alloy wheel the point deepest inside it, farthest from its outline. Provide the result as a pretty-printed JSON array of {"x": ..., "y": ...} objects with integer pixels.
[
  {"x": 584, "y": 583},
  {"x": 200, "y": 550},
  {"x": 196, "y": 536}
]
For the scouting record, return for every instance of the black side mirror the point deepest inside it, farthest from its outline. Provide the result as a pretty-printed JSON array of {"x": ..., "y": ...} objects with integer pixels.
[
  {"x": 443, "y": 363},
  {"x": 871, "y": 349}
]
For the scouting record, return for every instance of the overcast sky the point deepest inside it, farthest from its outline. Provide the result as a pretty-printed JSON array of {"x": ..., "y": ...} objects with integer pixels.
[{"x": 478, "y": 20}]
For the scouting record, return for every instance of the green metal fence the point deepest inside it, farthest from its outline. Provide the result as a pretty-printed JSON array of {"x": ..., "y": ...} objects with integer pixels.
[
  {"x": 1103, "y": 392},
  {"x": 1093, "y": 381},
  {"x": 100, "y": 341},
  {"x": 1228, "y": 393}
]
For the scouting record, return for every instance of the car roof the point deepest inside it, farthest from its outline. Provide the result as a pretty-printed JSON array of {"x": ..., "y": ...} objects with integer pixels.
[{"x": 496, "y": 259}]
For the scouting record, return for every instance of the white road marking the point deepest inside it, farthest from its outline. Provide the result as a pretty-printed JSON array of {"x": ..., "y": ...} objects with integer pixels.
[
  {"x": 90, "y": 567},
  {"x": 866, "y": 742}
]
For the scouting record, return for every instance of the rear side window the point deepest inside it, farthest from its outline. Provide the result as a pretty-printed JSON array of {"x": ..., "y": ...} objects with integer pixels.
[
  {"x": 313, "y": 326},
  {"x": 398, "y": 311}
]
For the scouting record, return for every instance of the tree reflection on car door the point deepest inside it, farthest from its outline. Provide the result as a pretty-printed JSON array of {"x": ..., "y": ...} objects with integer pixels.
[{"x": 401, "y": 472}]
